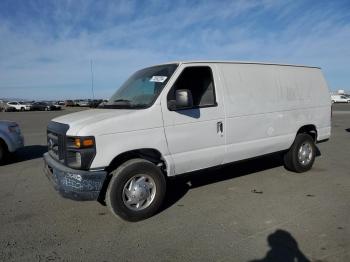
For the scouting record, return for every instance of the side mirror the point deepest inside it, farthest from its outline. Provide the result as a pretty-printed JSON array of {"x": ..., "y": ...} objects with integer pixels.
[{"x": 183, "y": 100}]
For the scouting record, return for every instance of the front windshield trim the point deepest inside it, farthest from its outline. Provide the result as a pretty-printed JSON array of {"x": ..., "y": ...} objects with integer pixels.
[{"x": 124, "y": 104}]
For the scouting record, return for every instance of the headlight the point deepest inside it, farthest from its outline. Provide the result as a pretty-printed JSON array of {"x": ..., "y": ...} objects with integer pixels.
[
  {"x": 74, "y": 159},
  {"x": 80, "y": 152}
]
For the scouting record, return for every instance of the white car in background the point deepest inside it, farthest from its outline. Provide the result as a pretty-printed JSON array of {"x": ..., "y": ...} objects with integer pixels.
[
  {"x": 27, "y": 105},
  {"x": 340, "y": 99},
  {"x": 82, "y": 103},
  {"x": 19, "y": 106}
]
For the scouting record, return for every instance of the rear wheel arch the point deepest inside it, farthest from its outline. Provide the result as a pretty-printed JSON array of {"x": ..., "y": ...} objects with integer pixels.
[{"x": 310, "y": 130}]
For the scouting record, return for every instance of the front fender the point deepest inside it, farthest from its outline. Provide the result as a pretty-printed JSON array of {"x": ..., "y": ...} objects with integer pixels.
[{"x": 111, "y": 145}]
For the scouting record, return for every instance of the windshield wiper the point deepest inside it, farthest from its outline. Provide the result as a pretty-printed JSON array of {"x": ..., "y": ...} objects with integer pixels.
[
  {"x": 123, "y": 106},
  {"x": 122, "y": 100},
  {"x": 138, "y": 106}
]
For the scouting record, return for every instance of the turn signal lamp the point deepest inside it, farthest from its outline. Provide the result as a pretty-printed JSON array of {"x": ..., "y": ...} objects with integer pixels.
[{"x": 84, "y": 142}]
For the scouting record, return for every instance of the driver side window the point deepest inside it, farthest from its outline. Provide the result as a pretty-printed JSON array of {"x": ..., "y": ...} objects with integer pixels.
[{"x": 199, "y": 80}]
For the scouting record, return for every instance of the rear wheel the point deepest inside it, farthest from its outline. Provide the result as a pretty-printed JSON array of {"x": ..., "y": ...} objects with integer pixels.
[
  {"x": 136, "y": 190},
  {"x": 301, "y": 155}
]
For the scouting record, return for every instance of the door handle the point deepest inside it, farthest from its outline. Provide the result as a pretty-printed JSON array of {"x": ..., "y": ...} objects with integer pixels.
[{"x": 219, "y": 127}]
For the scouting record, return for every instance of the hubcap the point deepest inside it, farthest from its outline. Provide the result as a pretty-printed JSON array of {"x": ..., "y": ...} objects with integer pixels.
[
  {"x": 139, "y": 192},
  {"x": 305, "y": 153}
]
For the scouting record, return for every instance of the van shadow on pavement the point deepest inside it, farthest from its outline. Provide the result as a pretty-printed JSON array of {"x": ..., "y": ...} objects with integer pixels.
[
  {"x": 26, "y": 153},
  {"x": 179, "y": 186},
  {"x": 283, "y": 247}
]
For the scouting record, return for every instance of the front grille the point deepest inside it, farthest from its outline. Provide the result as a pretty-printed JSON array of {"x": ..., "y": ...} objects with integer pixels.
[
  {"x": 53, "y": 145},
  {"x": 56, "y": 140}
]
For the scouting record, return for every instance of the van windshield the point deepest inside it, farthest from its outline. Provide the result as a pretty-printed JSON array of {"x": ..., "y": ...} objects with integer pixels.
[{"x": 142, "y": 88}]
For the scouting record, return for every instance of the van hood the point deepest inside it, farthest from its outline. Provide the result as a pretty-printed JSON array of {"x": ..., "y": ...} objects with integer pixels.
[
  {"x": 97, "y": 122},
  {"x": 81, "y": 119}
]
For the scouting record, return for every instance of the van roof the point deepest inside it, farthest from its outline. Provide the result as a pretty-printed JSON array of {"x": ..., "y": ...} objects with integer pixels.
[{"x": 238, "y": 62}]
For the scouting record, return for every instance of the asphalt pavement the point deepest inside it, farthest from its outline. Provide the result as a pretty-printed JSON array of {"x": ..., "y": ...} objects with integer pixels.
[{"x": 248, "y": 211}]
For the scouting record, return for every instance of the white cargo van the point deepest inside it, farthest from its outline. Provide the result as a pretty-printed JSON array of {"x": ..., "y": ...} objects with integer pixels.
[{"x": 180, "y": 117}]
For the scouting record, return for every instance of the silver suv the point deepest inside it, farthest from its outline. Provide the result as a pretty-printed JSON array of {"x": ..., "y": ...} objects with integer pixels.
[{"x": 11, "y": 138}]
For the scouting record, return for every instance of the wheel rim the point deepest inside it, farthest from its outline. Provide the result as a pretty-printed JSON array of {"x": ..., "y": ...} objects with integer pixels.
[
  {"x": 139, "y": 192},
  {"x": 305, "y": 153}
]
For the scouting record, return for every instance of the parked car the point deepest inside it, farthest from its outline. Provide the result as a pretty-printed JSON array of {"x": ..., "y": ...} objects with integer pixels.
[
  {"x": 54, "y": 106},
  {"x": 340, "y": 99},
  {"x": 82, "y": 102},
  {"x": 18, "y": 106},
  {"x": 69, "y": 103},
  {"x": 95, "y": 103},
  {"x": 4, "y": 107},
  {"x": 11, "y": 138},
  {"x": 176, "y": 118},
  {"x": 28, "y": 105},
  {"x": 43, "y": 106},
  {"x": 102, "y": 103}
]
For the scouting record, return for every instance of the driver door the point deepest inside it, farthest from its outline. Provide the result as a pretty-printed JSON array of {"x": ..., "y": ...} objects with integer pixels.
[{"x": 195, "y": 136}]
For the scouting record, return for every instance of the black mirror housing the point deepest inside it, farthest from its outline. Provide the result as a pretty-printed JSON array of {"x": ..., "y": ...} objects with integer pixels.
[{"x": 172, "y": 105}]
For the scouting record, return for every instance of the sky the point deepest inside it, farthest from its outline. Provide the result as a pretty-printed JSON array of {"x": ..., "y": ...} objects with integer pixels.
[{"x": 46, "y": 46}]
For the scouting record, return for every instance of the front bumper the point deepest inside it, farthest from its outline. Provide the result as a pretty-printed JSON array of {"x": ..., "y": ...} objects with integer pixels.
[{"x": 71, "y": 183}]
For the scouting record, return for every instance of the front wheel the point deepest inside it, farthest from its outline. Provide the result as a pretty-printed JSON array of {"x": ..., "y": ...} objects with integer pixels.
[
  {"x": 301, "y": 156},
  {"x": 136, "y": 190}
]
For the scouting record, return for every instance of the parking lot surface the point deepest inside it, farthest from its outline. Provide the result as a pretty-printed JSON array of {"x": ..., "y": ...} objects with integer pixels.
[{"x": 248, "y": 211}]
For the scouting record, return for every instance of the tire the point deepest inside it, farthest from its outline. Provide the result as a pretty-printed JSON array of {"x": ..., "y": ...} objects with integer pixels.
[
  {"x": 22, "y": 108},
  {"x": 301, "y": 156},
  {"x": 131, "y": 182}
]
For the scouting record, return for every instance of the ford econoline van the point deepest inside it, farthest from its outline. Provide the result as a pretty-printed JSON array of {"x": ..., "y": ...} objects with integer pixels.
[{"x": 179, "y": 117}]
